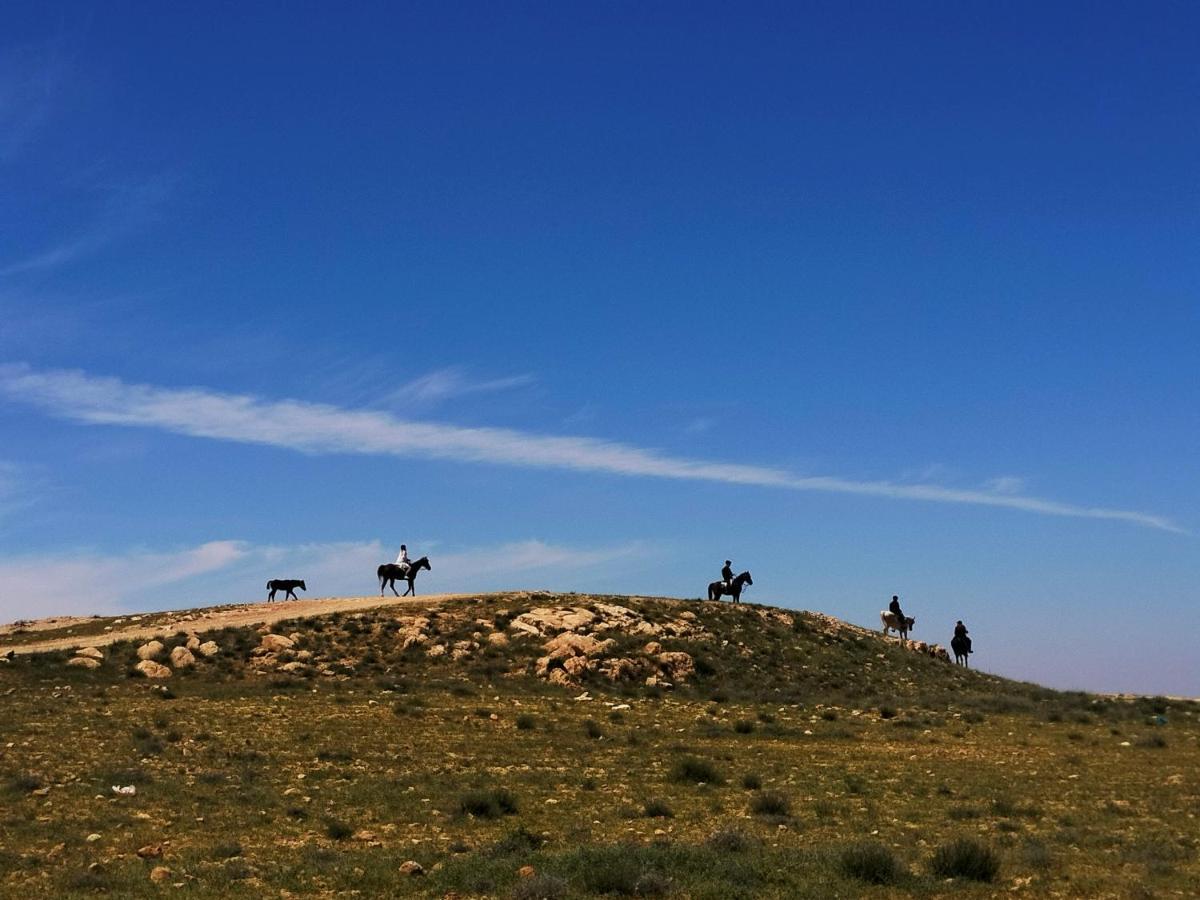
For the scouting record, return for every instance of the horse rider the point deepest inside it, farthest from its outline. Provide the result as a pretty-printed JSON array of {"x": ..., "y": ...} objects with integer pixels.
[
  {"x": 727, "y": 573},
  {"x": 402, "y": 558},
  {"x": 895, "y": 609},
  {"x": 960, "y": 631}
]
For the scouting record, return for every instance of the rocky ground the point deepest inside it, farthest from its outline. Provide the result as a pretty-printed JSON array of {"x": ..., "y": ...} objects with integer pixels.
[{"x": 534, "y": 745}]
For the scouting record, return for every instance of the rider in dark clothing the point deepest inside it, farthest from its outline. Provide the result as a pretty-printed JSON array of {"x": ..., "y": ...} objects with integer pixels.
[
  {"x": 960, "y": 631},
  {"x": 894, "y": 607},
  {"x": 727, "y": 573}
]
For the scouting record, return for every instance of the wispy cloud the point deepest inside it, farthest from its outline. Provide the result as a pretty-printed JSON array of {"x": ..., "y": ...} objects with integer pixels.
[
  {"x": 533, "y": 556},
  {"x": 31, "y": 76},
  {"x": 91, "y": 583},
  {"x": 125, "y": 207},
  {"x": 227, "y": 571},
  {"x": 452, "y": 381},
  {"x": 320, "y": 428}
]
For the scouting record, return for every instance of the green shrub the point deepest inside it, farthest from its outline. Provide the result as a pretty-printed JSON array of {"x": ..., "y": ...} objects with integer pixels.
[
  {"x": 526, "y": 722},
  {"x": 751, "y": 781},
  {"x": 540, "y": 887},
  {"x": 743, "y": 726},
  {"x": 519, "y": 840},
  {"x": 692, "y": 770},
  {"x": 657, "y": 809},
  {"x": 966, "y": 858},
  {"x": 488, "y": 804},
  {"x": 870, "y": 862},
  {"x": 771, "y": 805},
  {"x": 339, "y": 831},
  {"x": 729, "y": 840},
  {"x": 592, "y": 729}
]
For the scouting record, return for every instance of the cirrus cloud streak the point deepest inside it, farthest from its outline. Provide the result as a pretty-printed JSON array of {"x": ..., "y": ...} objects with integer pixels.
[{"x": 321, "y": 428}]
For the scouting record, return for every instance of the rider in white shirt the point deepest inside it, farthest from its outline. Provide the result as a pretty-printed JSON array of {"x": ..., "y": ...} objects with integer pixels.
[{"x": 402, "y": 558}]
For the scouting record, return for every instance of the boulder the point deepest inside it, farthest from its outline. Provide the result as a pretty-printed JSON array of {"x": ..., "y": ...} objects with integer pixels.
[
  {"x": 273, "y": 643},
  {"x": 193, "y": 643},
  {"x": 151, "y": 669},
  {"x": 411, "y": 868},
  {"x": 90, "y": 653},
  {"x": 498, "y": 639},
  {"x": 621, "y": 669},
  {"x": 84, "y": 662},
  {"x": 209, "y": 648},
  {"x": 294, "y": 668},
  {"x": 160, "y": 874},
  {"x": 577, "y": 665},
  {"x": 150, "y": 650},
  {"x": 436, "y": 650},
  {"x": 652, "y": 648},
  {"x": 181, "y": 658},
  {"x": 677, "y": 665},
  {"x": 569, "y": 644}
]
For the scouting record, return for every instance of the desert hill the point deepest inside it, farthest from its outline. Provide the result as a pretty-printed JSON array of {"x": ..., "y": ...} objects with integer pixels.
[{"x": 529, "y": 744}]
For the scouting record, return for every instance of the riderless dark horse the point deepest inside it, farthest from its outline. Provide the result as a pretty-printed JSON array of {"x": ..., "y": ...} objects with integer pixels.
[
  {"x": 285, "y": 584},
  {"x": 391, "y": 573},
  {"x": 734, "y": 589}
]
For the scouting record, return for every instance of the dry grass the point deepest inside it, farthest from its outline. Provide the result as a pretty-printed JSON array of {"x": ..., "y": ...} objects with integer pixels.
[{"x": 324, "y": 785}]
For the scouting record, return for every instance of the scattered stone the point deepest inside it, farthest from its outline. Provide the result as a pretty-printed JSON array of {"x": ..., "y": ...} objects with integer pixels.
[
  {"x": 193, "y": 643},
  {"x": 90, "y": 653},
  {"x": 151, "y": 669},
  {"x": 498, "y": 639},
  {"x": 83, "y": 662},
  {"x": 92, "y": 838},
  {"x": 160, "y": 874},
  {"x": 150, "y": 650},
  {"x": 677, "y": 665},
  {"x": 294, "y": 668},
  {"x": 526, "y": 872},
  {"x": 209, "y": 648},
  {"x": 273, "y": 643},
  {"x": 652, "y": 648},
  {"x": 150, "y": 851},
  {"x": 436, "y": 650},
  {"x": 411, "y": 868},
  {"x": 181, "y": 658}
]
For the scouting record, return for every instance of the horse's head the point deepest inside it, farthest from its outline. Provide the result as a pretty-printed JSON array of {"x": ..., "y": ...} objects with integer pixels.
[
  {"x": 910, "y": 622},
  {"x": 746, "y": 579},
  {"x": 423, "y": 563},
  {"x": 303, "y": 586}
]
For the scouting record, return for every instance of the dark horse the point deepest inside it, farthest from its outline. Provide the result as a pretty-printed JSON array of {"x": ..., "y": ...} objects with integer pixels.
[
  {"x": 285, "y": 584},
  {"x": 961, "y": 645},
  {"x": 734, "y": 590},
  {"x": 390, "y": 573}
]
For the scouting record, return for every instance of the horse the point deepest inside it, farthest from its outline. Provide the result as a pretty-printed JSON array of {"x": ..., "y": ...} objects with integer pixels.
[
  {"x": 891, "y": 621},
  {"x": 390, "y": 573},
  {"x": 285, "y": 584},
  {"x": 734, "y": 590},
  {"x": 961, "y": 645}
]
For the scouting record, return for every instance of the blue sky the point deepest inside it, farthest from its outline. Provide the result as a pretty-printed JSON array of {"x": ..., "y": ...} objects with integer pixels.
[{"x": 870, "y": 298}]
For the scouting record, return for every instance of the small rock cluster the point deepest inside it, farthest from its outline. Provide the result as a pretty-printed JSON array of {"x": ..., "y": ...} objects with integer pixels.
[
  {"x": 182, "y": 656},
  {"x": 574, "y": 649}
]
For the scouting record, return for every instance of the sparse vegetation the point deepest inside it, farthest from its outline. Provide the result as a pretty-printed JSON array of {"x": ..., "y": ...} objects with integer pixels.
[
  {"x": 323, "y": 785},
  {"x": 966, "y": 858},
  {"x": 870, "y": 862},
  {"x": 692, "y": 770}
]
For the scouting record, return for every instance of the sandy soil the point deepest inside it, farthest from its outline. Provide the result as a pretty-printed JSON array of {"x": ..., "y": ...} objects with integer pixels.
[{"x": 223, "y": 617}]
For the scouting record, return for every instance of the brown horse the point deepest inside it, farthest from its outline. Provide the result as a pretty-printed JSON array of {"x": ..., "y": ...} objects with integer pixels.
[{"x": 391, "y": 573}]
